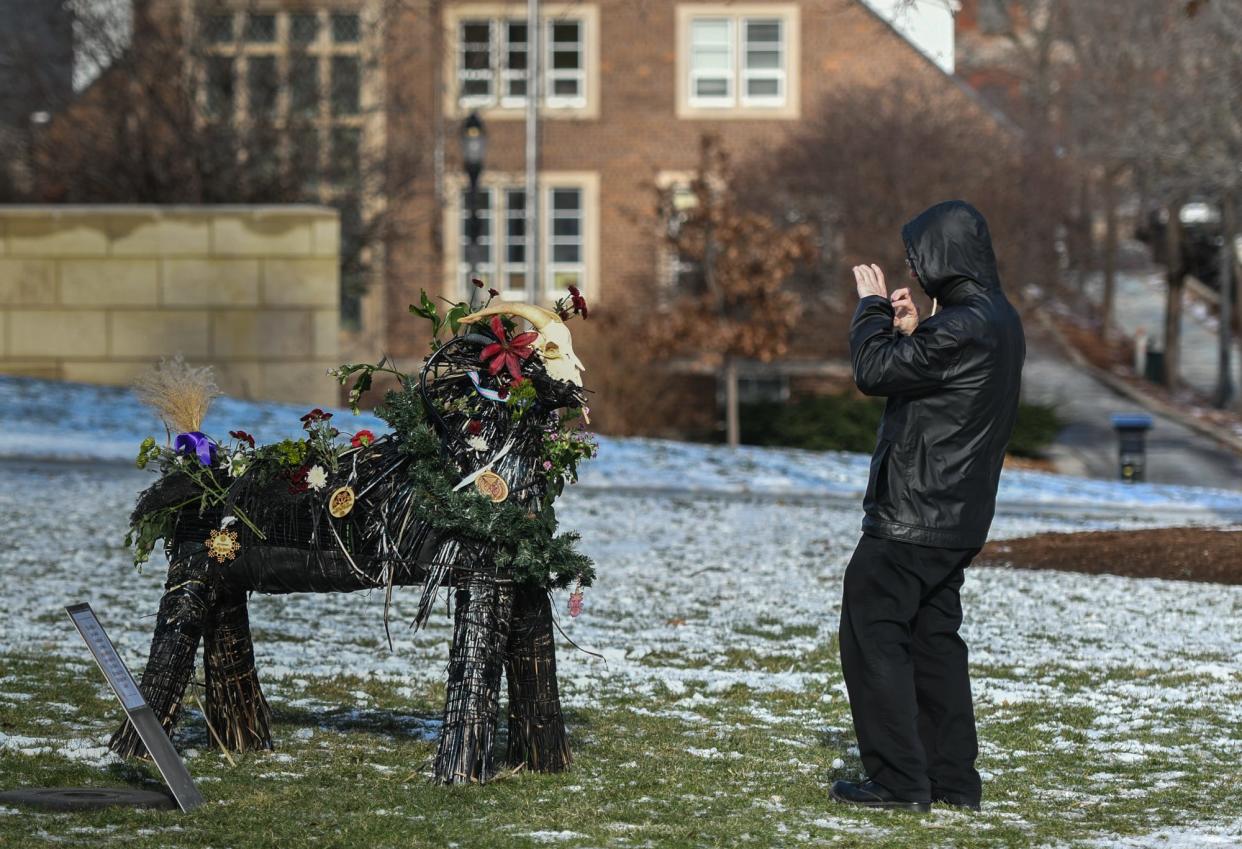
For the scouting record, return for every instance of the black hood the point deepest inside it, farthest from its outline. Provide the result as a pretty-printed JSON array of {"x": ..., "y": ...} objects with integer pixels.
[{"x": 948, "y": 244}]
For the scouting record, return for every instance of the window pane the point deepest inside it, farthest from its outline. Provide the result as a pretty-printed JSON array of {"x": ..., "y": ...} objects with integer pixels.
[
  {"x": 709, "y": 31},
  {"x": 515, "y": 54},
  {"x": 474, "y": 69},
  {"x": 565, "y": 279},
  {"x": 476, "y": 43},
  {"x": 566, "y": 227},
  {"x": 516, "y": 33},
  {"x": 566, "y": 31},
  {"x": 346, "y": 82},
  {"x": 711, "y": 58},
  {"x": 304, "y": 85},
  {"x": 566, "y": 88},
  {"x": 220, "y": 86},
  {"x": 483, "y": 251},
  {"x": 763, "y": 31},
  {"x": 345, "y": 29},
  {"x": 346, "y": 168},
  {"x": 763, "y": 59},
  {"x": 763, "y": 87},
  {"x": 261, "y": 28},
  {"x": 566, "y": 60},
  {"x": 515, "y": 237},
  {"x": 217, "y": 29},
  {"x": 261, "y": 86},
  {"x": 566, "y": 199},
  {"x": 303, "y": 28}
]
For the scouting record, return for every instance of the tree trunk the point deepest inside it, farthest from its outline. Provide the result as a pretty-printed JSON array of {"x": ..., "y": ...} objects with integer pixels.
[
  {"x": 1224, "y": 366},
  {"x": 1085, "y": 237},
  {"x": 1110, "y": 252},
  {"x": 1175, "y": 278},
  {"x": 733, "y": 428}
]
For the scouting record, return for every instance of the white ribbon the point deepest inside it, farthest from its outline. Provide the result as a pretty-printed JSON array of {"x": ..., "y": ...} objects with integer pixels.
[{"x": 470, "y": 478}]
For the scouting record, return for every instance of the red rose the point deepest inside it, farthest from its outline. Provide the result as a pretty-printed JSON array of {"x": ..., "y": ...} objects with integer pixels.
[
  {"x": 362, "y": 438},
  {"x": 477, "y": 282},
  {"x": 474, "y": 427}
]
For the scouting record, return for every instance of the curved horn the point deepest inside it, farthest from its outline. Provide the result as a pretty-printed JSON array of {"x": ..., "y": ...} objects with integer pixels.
[{"x": 537, "y": 316}]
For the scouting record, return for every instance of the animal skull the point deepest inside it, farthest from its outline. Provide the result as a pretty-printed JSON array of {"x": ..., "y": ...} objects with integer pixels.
[{"x": 554, "y": 343}]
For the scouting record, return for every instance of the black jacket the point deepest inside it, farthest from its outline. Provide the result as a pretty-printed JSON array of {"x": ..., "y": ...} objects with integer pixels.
[{"x": 952, "y": 387}]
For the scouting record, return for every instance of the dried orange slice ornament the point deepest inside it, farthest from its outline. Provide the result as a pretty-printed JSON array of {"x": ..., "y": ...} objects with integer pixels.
[
  {"x": 341, "y": 501},
  {"x": 493, "y": 486},
  {"x": 222, "y": 545}
]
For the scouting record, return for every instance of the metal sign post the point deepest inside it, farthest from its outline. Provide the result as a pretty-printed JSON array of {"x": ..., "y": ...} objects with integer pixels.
[{"x": 136, "y": 708}]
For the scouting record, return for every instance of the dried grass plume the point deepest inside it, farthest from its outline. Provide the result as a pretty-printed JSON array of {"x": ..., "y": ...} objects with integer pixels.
[{"x": 180, "y": 394}]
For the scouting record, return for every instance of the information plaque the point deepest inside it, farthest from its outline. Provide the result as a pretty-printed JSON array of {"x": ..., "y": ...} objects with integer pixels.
[{"x": 136, "y": 708}]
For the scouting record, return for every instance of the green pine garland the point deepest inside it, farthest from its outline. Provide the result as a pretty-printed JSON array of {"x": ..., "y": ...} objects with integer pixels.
[{"x": 526, "y": 544}]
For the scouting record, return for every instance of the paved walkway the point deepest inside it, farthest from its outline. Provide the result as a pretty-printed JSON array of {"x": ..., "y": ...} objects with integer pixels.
[{"x": 1088, "y": 445}]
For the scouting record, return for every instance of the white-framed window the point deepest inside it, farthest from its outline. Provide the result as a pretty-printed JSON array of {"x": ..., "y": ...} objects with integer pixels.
[
  {"x": 763, "y": 61},
  {"x": 566, "y": 265},
  {"x": 303, "y": 72},
  {"x": 476, "y": 75},
  {"x": 711, "y": 62},
  {"x": 565, "y": 78},
  {"x": 513, "y": 277},
  {"x": 484, "y": 266},
  {"x": 502, "y": 256},
  {"x": 493, "y": 62},
  {"x": 737, "y": 59}
]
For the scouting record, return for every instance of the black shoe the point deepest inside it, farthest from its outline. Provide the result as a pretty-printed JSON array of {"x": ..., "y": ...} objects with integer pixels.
[
  {"x": 871, "y": 795},
  {"x": 955, "y": 801}
]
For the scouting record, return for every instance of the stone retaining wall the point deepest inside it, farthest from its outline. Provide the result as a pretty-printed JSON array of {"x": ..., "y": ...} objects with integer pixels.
[{"x": 96, "y": 294}]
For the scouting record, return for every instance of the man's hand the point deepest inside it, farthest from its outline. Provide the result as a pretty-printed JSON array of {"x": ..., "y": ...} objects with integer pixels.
[
  {"x": 870, "y": 280},
  {"x": 905, "y": 313}
]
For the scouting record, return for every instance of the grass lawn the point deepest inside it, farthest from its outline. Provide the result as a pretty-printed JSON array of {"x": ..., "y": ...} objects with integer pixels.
[{"x": 1110, "y": 709}]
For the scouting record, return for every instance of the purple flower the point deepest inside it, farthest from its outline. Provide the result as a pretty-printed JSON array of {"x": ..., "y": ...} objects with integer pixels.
[{"x": 198, "y": 444}]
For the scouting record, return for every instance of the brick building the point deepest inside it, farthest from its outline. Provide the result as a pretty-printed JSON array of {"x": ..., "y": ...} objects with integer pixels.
[{"x": 630, "y": 89}]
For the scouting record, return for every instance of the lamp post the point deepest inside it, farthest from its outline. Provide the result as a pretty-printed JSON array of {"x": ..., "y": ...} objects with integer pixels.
[{"x": 473, "y": 150}]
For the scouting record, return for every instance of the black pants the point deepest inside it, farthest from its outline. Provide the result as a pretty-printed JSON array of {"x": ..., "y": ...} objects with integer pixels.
[{"x": 905, "y": 668}]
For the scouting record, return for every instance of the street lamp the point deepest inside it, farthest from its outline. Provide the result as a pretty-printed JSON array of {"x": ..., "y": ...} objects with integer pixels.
[{"x": 473, "y": 150}]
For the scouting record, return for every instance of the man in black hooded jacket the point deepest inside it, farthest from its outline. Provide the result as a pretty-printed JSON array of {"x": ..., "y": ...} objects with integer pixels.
[{"x": 952, "y": 387}]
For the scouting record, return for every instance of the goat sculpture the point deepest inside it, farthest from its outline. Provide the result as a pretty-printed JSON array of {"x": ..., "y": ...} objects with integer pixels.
[{"x": 459, "y": 496}]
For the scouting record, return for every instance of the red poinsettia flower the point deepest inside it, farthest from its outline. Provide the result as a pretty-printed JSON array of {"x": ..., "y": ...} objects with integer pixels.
[
  {"x": 506, "y": 353},
  {"x": 315, "y": 415},
  {"x": 579, "y": 302},
  {"x": 362, "y": 438},
  {"x": 242, "y": 436}
]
